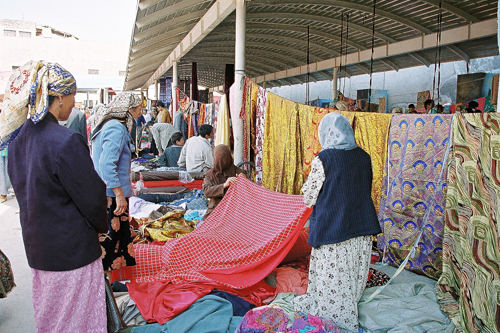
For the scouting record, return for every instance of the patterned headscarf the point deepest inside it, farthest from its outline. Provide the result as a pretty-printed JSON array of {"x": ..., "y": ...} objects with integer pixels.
[
  {"x": 32, "y": 84},
  {"x": 117, "y": 109},
  {"x": 336, "y": 132}
]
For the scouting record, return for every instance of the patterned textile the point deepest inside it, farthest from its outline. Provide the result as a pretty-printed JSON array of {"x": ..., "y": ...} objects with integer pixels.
[
  {"x": 249, "y": 114},
  {"x": 282, "y": 152},
  {"x": 337, "y": 278},
  {"x": 31, "y": 84},
  {"x": 372, "y": 131},
  {"x": 116, "y": 244},
  {"x": 169, "y": 226},
  {"x": 273, "y": 319},
  {"x": 223, "y": 127},
  {"x": 259, "y": 132},
  {"x": 117, "y": 109},
  {"x": 230, "y": 248},
  {"x": 6, "y": 276},
  {"x": 417, "y": 146},
  {"x": 469, "y": 288},
  {"x": 376, "y": 278},
  {"x": 70, "y": 301},
  {"x": 312, "y": 145}
]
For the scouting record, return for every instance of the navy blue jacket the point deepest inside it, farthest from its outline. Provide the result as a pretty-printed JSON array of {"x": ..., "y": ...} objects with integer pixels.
[
  {"x": 344, "y": 207},
  {"x": 62, "y": 199}
]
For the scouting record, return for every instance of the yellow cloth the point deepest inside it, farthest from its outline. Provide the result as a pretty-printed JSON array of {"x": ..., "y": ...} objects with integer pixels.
[
  {"x": 312, "y": 146},
  {"x": 223, "y": 130},
  {"x": 286, "y": 128},
  {"x": 169, "y": 226},
  {"x": 371, "y": 131}
]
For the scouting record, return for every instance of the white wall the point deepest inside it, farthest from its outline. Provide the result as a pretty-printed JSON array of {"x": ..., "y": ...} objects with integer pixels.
[{"x": 402, "y": 87}]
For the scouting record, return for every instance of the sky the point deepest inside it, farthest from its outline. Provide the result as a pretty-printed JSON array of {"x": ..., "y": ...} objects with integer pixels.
[{"x": 95, "y": 20}]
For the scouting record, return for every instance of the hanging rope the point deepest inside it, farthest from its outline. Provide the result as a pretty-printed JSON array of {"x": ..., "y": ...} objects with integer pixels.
[
  {"x": 341, "y": 47},
  {"x": 371, "y": 59},
  {"x": 346, "y": 39},
  {"x": 437, "y": 59},
  {"x": 307, "y": 75}
]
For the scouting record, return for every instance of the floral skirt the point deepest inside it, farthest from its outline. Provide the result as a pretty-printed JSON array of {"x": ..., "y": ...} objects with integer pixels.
[
  {"x": 116, "y": 244},
  {"x": 6, "y": 276},
  {"x": 337, "y": 279}
]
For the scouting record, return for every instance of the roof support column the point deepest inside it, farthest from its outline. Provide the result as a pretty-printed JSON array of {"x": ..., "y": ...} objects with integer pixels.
[
  {"x": 239, "y": 74},
  {"x": 175, "y": 83},
  {"x": 334, "y": 81},
  {"x": 157, "y": 90}
]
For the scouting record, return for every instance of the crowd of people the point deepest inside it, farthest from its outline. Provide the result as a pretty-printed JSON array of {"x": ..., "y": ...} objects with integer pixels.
[{"x": 75, "y": 184}]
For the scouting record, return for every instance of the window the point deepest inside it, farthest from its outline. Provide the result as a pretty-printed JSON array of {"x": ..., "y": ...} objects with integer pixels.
[
  {"x": 94, "y": 71},
  {"x": 122, "y": 73},
  {"x": 25, "y": 34},
  {"x": 15, "y": 67},
  {"x": 9, "y": 33}
]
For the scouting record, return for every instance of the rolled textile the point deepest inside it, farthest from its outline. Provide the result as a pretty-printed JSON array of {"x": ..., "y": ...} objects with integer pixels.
[{"x": 162, "y": 175}]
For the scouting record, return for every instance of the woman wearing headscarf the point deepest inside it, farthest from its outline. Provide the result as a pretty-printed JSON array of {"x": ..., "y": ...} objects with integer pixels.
[
  {"x": 62, "y": 200},
  {"x": 341, "y": 225},
  {"x": 111, "y": 153},
  {"x": 218, "y": 179}
]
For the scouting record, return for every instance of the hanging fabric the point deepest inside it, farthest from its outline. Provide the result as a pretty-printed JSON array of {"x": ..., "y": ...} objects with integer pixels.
[{"x": 223, "y": 128}]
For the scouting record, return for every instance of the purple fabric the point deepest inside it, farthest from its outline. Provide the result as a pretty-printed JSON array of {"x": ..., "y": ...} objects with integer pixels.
[
  {"x": 70, "y": 301},
  {"x": 415, "y": 183}
]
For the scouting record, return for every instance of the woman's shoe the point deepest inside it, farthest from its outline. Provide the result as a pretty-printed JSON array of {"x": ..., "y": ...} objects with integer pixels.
[{"x": 3, "y": 198}]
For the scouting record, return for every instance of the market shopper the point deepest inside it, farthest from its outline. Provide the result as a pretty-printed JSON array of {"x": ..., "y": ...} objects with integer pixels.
[
  {"x": 341, "y": 225},
  {"x": 217, "y": 180},
  {"x": 62, "y": 200},
  {"x": 197, "y": 155},
  {"x": 111, "y": 154},
  {"x": 163, "y": 114},
  {"x": 161, "y": 134},
  {"x": 171, "y": 155}
]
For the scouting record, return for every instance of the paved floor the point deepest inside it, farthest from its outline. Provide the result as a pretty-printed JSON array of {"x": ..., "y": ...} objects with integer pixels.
[{"x": 16, "y": 310}]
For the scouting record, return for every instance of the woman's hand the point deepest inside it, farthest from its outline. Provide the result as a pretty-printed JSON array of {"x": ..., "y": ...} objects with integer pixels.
[
  {"x": 230, "y": 181},
  {"x": 121, "y": 202}
]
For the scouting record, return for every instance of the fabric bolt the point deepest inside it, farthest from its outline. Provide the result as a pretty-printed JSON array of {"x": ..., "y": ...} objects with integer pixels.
[
  {"x": 6, "y": 276},
  {"x": 469, "y": 287},
  {"x": 162, "y": 132},
  {"x": 337, "y": 278},
  {"x": 260, "y": 132},
  {"x": 372, "y": 132},
  {"x": 414, "y": 183},
  {"x": 116, "y": 244},
  {"x": 223, "y": 129},
  {"x": 4, "y": 176},
  {"x": 282, "y": 152},
  {"x": 65, "y": 301},
  {"x": 31, "y": 84}
]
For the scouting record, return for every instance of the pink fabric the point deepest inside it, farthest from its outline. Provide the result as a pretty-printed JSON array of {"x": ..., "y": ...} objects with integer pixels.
[
  {"x": 291, "y": 280},
  {"x": 70, "y": 301},
  {"x": 259, "y": 132}
]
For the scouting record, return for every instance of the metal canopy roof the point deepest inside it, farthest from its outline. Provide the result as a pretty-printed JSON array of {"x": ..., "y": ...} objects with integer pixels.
[{"x": 203, "y": 31}]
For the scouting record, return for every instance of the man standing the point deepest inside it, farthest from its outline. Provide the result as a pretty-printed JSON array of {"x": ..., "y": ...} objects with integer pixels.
[
  {"x": 163, "y": 114},
  {"x": 196, "y": 155}
]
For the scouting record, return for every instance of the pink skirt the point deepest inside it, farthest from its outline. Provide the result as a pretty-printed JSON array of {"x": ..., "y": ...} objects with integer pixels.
[{"x": 70, "y": 301}]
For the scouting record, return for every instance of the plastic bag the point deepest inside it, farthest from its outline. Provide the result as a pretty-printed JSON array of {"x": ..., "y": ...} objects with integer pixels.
[
  {"x": 185, "y": 177},
  {"x": 139, "y": 185}
]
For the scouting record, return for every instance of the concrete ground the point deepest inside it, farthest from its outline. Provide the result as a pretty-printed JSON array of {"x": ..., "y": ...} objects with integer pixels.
[{"x": 16, "y": 310}]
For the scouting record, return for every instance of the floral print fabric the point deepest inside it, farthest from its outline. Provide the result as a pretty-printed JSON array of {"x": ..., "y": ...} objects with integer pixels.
[
  {"x": 6, "y": 276},
  {"x": 116, "y": 244},
  {"x": 337, "y": 278}
]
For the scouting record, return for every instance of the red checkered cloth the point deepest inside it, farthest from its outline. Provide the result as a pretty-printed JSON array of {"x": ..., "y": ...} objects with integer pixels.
[{"x": 242, "y": 241}]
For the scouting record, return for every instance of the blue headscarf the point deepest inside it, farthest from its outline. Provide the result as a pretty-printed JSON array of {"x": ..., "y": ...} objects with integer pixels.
[
  {"x": 336, "y": 132},
  {"x": 31, "y": 85}
]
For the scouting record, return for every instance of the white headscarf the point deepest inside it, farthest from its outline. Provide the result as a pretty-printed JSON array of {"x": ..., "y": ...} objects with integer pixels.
[{"x": 336, "y": 132}]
